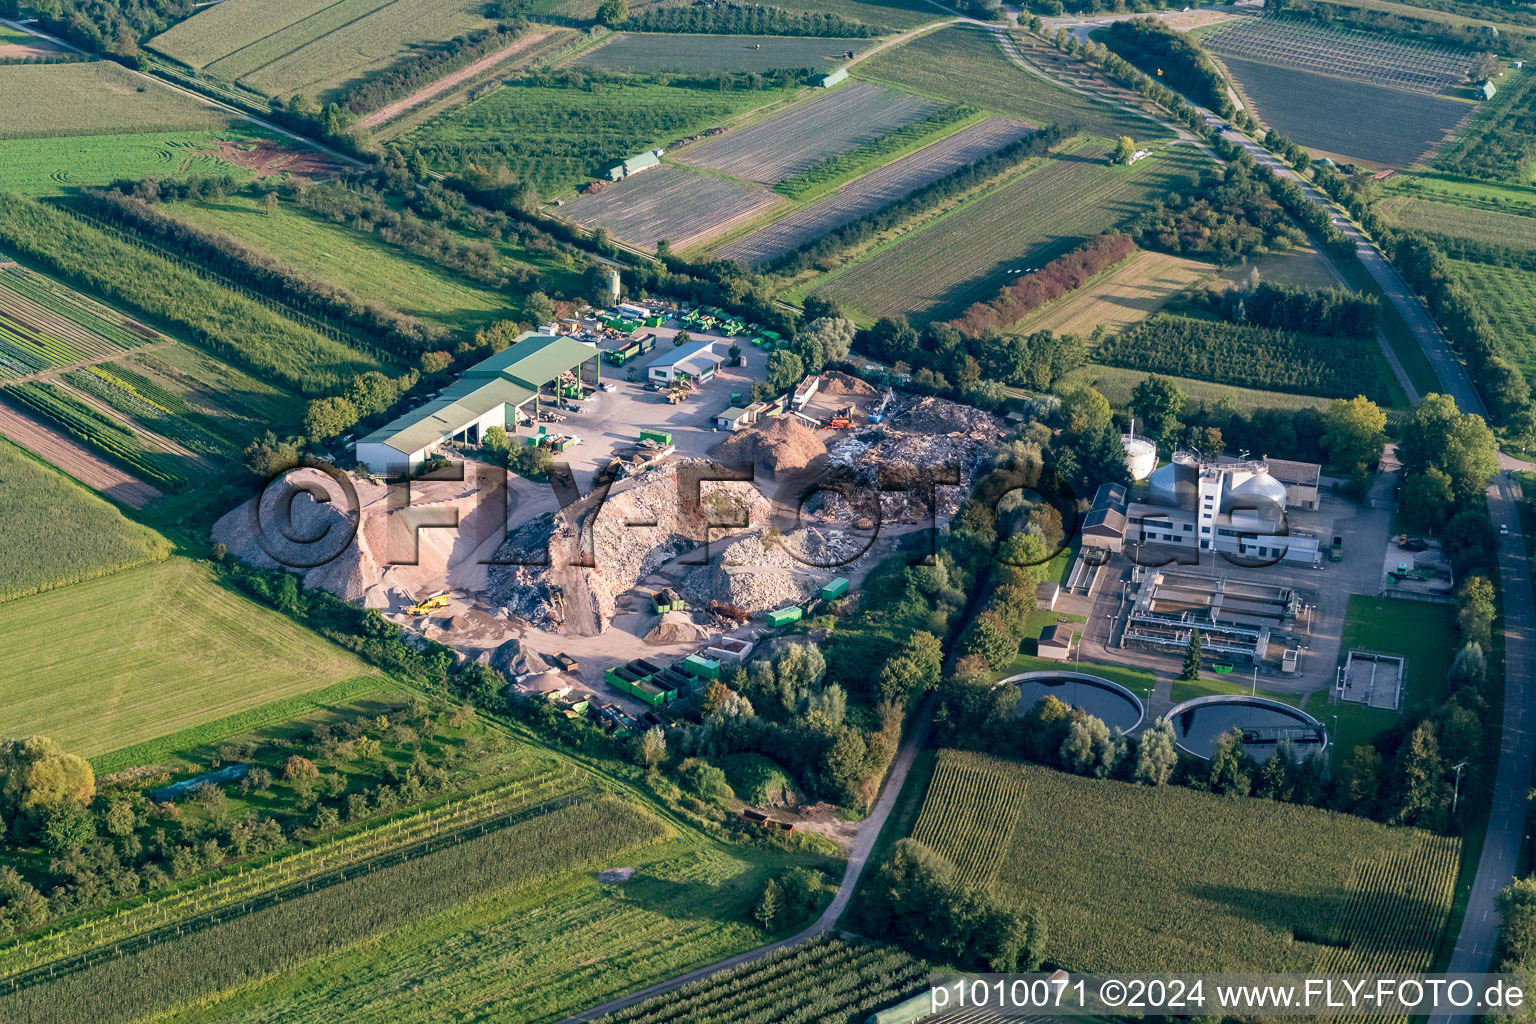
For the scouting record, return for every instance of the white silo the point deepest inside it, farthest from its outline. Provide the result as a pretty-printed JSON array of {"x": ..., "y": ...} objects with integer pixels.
[{"x": 1140, "y": 454}]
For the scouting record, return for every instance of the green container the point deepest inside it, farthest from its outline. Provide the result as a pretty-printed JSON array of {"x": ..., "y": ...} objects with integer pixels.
[
  {"x": 834, "y": 590},
  {"x": 659, "y": 436},
  {"x": 702, "y": 667},
  {"x": 784, "y": 616},
  {"x": 1222, "y": 670}
]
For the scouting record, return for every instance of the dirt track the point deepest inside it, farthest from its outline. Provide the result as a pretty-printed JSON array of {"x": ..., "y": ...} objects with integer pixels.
[
  {"x": 76, "y": 460},
  {"x": 442, "y": 85}
]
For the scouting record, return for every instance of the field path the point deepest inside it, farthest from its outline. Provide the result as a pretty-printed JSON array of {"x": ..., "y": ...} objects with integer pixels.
[
  {"x": 434, "y": 89},
  {"x": 76, "y": 460},
  {"x": 858, "y": 857}
]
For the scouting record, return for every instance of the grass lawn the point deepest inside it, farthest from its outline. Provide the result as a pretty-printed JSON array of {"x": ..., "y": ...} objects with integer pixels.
[
  {"x": 58, "y": 532},
  {"x": 1139, "y": 681},
  {"x": 1237, "y": 683},
  {"x": 150, "y": 651},
  {"x": 1418, "y": 631},
  {"x": 359, "y": 262},
  {"x": 56, "y": 166},
  {"x": 536, "y": 952},
  {"x": 1116, "y": 383}
]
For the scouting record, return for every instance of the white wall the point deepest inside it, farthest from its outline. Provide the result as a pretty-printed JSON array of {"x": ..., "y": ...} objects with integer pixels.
[{"x": 381, "y": 458}]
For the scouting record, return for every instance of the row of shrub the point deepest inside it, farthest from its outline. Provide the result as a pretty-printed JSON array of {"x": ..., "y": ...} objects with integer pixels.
[{"x": 1066, "y": 273}]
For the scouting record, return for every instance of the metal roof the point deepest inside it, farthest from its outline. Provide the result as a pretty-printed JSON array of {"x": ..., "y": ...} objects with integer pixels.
[
  {"x": 692, "y": 359},
  {"x": 459, "y": 405},
  {"x": 534, "y": 359}
]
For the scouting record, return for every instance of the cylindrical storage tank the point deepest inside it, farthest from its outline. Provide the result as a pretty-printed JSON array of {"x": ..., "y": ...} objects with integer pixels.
[{"x": 1140, "y": 456}]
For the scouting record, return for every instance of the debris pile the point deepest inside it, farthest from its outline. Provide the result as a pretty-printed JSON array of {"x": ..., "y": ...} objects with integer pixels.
[
  {"x": 781, "y": 445},
  {"x": 676, "y": 628},
  {"x": 930, "y": 415},
  {"x": 512, "y": 660},
  {"x": 836, "y": 382}
]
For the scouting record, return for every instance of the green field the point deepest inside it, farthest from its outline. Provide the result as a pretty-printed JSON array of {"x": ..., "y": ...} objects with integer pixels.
[
  {"x": 1507, "y": 297},
  {"x": 558, "y": 138},
  {"x": 58, "y": 532},
  {"x": 359, "y": 262},
  {"x": 123, "y": 659},
  {"x": 51, "y": 167},
  {"x": 1449, "y": 188},
  {"x": 965, "y": 64},
  {"x": 98, "y": 98},
  {"x": 1417, "y": 631},
  {"x": 314, "y": 47},
  {"x": 1457, "y": 221},
  {"x": 1134, "y": 878},
  {"x": 530, "y": 952},
  {"x": 1116, "y": 385},
  {"x": 964, "y": 256},
  {"x": 702, "y": 54}
]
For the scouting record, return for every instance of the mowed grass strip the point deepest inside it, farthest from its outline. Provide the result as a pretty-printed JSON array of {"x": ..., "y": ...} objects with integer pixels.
[
  {"x": 58, "y": 166},
  {"x": 1137, "y": 878},
  {"x": 57, "y": 533},
  {"x": 93, "y": 98},
  {"x": 149, "y": 651},
  {"x": 966, "y": 255}
]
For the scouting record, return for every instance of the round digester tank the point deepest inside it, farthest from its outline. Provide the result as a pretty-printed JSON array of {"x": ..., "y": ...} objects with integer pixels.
[{"x": 1199, "y": 723}]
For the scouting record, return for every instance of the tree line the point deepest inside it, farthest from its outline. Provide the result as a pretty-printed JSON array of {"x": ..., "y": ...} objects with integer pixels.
[
  {"x": 1325, "y": 312},
  {"x": 1066, "y": 273},
  {"x": 421, "y": 69}
]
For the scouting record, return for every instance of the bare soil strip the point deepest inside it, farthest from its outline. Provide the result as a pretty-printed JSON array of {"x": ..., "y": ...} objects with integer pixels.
[
  {"x": 442, "y": 85},
  {"x": 76, "y": 460}
]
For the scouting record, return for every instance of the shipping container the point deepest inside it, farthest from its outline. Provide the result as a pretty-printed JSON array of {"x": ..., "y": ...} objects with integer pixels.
[
  {"x": 659, "y": 436},
  {"x": 784, "y": 616},
  {"x": 834, "y": 590},
  {"x": 702, "y": 667}
]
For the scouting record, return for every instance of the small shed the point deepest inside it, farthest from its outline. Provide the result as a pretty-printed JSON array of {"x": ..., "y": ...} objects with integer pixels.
[
  {"x": 734, "y": 418},
  {"x": 1046, "y": 596},
  {"x": 1056, "y": 642},
  {"x": 833, "y": 78},
  {"x": 1487, "y": 90}
]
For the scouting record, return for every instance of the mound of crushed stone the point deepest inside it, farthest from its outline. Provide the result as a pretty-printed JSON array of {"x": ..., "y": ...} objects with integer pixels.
[
  {"x": 780, "y": 445},
  {"x": 512, "y": 659},
  {"x": 676, "y": 628}
]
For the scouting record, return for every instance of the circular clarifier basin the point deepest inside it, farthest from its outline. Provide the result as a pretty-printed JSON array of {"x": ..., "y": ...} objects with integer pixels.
[
  {"x": 1199, "y": 723},
  {"x": 1110, "y": 702}
]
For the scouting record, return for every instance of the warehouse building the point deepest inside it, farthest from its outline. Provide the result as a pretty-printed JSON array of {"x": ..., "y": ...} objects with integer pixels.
[
  {"x": 699, "y": 361},
  {"x": 492, "y": 393}
]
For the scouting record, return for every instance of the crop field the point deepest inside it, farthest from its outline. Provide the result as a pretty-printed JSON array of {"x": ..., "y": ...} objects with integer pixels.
[
  {"x": 227, "y": 322},
  {"x": 966, "y": 64},
  {"x": 824, "y": 979},
  {"x": 523, "y": 930},
  {"x": 1458, "y": 191},
  {"x": 702, "y": 54},
  {"x": 805, "y": 135},
  {"x": 972, "y": 818},
  {"x": 1507, "y": 297},
  {"x": 1171, "y": 879},
  {"x": 43, "y": 326},
  {"x": 315, "y": 46},
  {"x": 360, "y": 262},
  {"x": 558, "y": 138},
  {"x": 58, "y": 533},
  {"x": 1248, "y": 356},
  {"x": 1130, "y": 294},
  {"x": 151, "y": 651},
  {"x": 872, "y": 191},
  {"x": 94, "y": 98},
  {"x": 1373, "y": 123},
  {"x": 967, "y": 254},
  {"x": 1463, "y": 222},
  {"x": 1349, "y": 53},
  {"x": 681, "y": 205},
  {"x": 898, "y": 14}
]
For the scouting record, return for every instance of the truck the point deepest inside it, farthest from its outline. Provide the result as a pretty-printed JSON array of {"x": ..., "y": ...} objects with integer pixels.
[{"x": 1336, "y": 551}]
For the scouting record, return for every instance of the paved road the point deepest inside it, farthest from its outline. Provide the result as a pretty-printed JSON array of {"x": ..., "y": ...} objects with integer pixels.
[
  {"x": 1476, "y": 944},
  {"x": 858, "y": 857}
]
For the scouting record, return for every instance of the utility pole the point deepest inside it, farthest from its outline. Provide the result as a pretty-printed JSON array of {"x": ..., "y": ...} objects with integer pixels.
[
  {"x": 1456, "y": 793},
  {"x": 1254, "y": 692}
]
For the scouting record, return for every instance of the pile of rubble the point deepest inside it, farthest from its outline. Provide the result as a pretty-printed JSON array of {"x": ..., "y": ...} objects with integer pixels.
[
  {"x": 677, "y": 628},
  {"x": 930, "y": 415},
  {"x": 779, "y": 445},
  {"x": 889, "y": 459},
  {"x": 836, "y": 382}
]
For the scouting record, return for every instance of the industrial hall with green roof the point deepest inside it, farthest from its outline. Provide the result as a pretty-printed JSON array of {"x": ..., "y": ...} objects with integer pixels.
[{"x": 489, "y": 394}]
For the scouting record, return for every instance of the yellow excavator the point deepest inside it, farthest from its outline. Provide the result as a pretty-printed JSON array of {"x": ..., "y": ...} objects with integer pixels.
[{"x": 431, "y": 604}]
